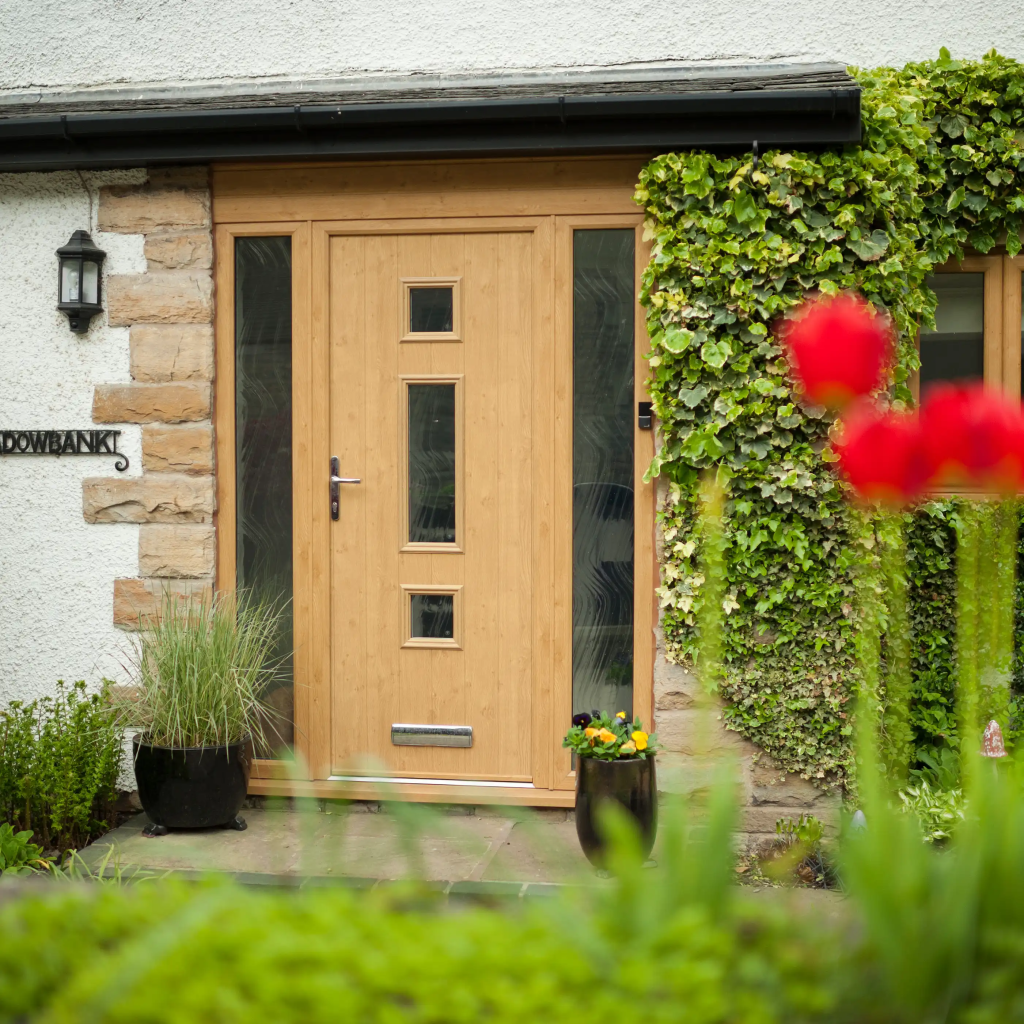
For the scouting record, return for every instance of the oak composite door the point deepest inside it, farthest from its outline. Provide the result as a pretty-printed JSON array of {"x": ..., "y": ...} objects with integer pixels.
[{"x": 435, "y": 398}]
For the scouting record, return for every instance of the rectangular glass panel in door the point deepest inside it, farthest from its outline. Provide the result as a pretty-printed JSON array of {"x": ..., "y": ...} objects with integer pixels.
[
  {"x": 263, "y": 440},
  {"x": 955, "y": 350},
  {"x": 604, "y": 304},
  {"x": 431, "y": 463}
]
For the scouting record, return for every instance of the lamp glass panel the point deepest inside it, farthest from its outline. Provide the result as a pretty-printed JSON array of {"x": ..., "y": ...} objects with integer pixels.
[
  {"x": 263, "y": 452},
  {"x": 90, "y": 282},
  {"x": 955, "y": 350},
  {"x": 604, "y": 310},
  {"x": 70, "y": 280}
]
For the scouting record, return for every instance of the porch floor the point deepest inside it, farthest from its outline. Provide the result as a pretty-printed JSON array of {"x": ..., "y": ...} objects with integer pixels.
[{"x": 361, "y": 844}]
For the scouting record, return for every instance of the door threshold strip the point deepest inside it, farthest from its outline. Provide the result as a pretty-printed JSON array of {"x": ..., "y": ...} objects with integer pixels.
[{"x": 385, "y": 779}]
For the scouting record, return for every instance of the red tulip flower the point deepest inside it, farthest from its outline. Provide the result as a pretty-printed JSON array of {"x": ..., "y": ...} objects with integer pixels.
[
  {"x": 881, "y": 455},
  {"x": 839, "y": 349},
  {"x": 973, "y": 437}
]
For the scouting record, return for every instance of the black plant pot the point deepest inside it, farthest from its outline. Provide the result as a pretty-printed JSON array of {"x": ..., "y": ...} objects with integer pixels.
[
  {"x": 630, "y": 782},
  {"x": 191, "y": 787}
]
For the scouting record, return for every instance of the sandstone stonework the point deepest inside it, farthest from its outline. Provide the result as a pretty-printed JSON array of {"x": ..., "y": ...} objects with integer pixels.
[
  {"x": 137, "y": 602},
  {"x": 171, "y": 352},
  {"x": 137, "y": 210},
  {"x": 150, "y": 498},
  {"x": 174, "y": 250},
  {"x": 178, "y": 551},
  {"x": 184, "y": 402},
  {"x": 179, "y": 449},
  {"x": 161, "y": 297}
]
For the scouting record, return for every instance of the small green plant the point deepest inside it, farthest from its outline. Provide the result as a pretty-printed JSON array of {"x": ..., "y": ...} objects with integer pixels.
[
  {"x": 201, "y": 671},
  {"x": 609, "y": 737},
  {"x": 799, "y": 853},
  {"x": 940, "y": 811},
  {"x": 60, "y": 758},
  {"x": 17, "y": 853}
]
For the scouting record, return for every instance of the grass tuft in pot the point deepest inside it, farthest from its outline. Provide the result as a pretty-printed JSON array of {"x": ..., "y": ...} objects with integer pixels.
[{"x": 201, "y": 673}]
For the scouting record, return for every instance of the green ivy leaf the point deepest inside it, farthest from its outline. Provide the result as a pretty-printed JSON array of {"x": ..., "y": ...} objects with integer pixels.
[
  {"x": 676, "y": 340},
  {"x": 715, "y": 353}
]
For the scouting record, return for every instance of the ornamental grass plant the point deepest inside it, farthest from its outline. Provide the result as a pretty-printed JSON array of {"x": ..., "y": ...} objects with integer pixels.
[{"x": 201, "y": 671}]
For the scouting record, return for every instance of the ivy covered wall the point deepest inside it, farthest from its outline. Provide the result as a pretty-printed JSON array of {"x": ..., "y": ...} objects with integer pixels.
[{"x": 737, "y": 244}]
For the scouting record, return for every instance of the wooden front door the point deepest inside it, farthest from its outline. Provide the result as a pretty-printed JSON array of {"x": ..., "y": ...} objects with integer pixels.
[{"x": 439, "y": 404}]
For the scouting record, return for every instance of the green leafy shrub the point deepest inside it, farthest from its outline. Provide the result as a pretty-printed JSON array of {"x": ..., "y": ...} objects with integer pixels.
[
  {"x": 17, "y": 853},
  {"x": 60, "y": 758}
]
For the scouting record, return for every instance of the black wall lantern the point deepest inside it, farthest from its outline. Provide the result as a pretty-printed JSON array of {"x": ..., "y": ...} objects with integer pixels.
[{"x": 79, "y": 280}]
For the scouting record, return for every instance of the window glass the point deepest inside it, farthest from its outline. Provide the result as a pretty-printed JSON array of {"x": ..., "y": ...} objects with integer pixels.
[
  {"x": 432, "y": 463},
  {"x": 263, "y": 439},
  {"x": 604, "y": 304},
  {"x": 431, "y": 310},
  {"x": 433, "y": 616},
  {"x": 955, "y": 350}
]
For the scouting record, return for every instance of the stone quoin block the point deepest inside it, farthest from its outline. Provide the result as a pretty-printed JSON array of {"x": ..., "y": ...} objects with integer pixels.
[
  {"x": 178, "y": 449},
  {"x": 183, "y": 402},
  {"x": 140, "y": 209},
  {"x": 181, "y": 551},
  {"x": 698, "y": 732},
  {"x": 180, "y": 177},
  {"x": 164, "y": 297},
  {"x": 150, "y": 498},
  {"x": 174, "y": 250},
  {"x": 171, "y": 352},
  {"x": 138, "y": 602}
]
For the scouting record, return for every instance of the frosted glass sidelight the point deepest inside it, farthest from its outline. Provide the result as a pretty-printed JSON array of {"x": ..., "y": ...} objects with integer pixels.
[
  {"x": 604, "y": 304},
  {"x": 263, "y": 439},
  {"x": 432, "y": 463},
  {"x": 433, "y": 616},
  {"x": 955, "y": 350},
  {"x": 431, "y": 310}
]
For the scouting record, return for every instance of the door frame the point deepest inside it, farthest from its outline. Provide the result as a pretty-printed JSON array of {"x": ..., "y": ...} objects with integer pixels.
[{"x": 309, "y": 203}]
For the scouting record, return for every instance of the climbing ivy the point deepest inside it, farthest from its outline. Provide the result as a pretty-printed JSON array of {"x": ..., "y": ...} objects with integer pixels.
[{"x": 736, "y": 244}]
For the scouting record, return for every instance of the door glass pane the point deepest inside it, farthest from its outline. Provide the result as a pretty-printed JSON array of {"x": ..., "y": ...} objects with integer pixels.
[
  {"x": 431, "y": 310},
  {"x": 955, "y": 350},
  {"x": 433, "y": 615},
  {"x": 604, "y": 304},
  {"x": 263, "y": 438},
  {"x": 432, "y": 463}
]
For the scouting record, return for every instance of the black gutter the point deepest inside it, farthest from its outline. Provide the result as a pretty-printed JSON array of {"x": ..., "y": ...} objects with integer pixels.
[{"x": 632, "y": 122}]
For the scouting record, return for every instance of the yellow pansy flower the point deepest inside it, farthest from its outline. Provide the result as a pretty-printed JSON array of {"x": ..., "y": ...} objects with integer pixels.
[
  {"x": 640, "y": 739},
  {"x": 591, "y": 734},
  {"x": 607, "y": 736},
  {"x": 621, "y": 714},
  {"x": 629, "y": 747}
]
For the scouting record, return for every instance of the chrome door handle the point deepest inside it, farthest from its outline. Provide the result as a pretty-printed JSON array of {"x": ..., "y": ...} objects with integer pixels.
[{"x": 336, "y": 482}]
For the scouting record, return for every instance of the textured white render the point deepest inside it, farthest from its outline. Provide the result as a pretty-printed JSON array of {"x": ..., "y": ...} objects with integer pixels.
[
  {"x": 76, "y": 43},
  {"x": 56, "y": 572}
]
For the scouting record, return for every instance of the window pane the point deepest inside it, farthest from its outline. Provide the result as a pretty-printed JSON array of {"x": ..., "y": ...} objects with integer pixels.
[
  {"x": 432, "y": 463},
  {"x": 955, "y": 350},
  {"x": 604, "y": 303},
  {"x": 433, "y": 616},
  {"x": 431, "y": 310},
  {"x": 263, "y": 425}
]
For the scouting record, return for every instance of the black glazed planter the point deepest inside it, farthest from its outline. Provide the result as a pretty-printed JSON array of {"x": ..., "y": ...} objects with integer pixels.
[
  {"x": 191, "y": 787},
  {"x": 630, "y": 782}
]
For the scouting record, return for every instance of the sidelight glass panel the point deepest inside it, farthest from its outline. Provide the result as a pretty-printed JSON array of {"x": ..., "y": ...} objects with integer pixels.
[
  {"x": 604, "y": 303},
  {"x": 432, "y": 463},
  {"x": 431, "y": 310},
  {"x": 955, "y": 350},
  {"x": 433, "y": 616},
  {"x": 263, "y": 439}
]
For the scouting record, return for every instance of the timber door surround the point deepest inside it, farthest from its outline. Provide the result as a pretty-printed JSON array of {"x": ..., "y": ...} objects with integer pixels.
[{"x": 432, "y": 357}]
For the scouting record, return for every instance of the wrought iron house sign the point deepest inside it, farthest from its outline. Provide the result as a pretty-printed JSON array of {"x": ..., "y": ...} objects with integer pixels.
[{"x": 63, "y": 442}]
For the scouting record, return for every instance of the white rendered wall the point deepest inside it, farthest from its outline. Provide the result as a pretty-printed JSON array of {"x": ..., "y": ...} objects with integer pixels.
[
  {"x": 56, "y": 571},
  {"x": 74, "y": 43}
]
